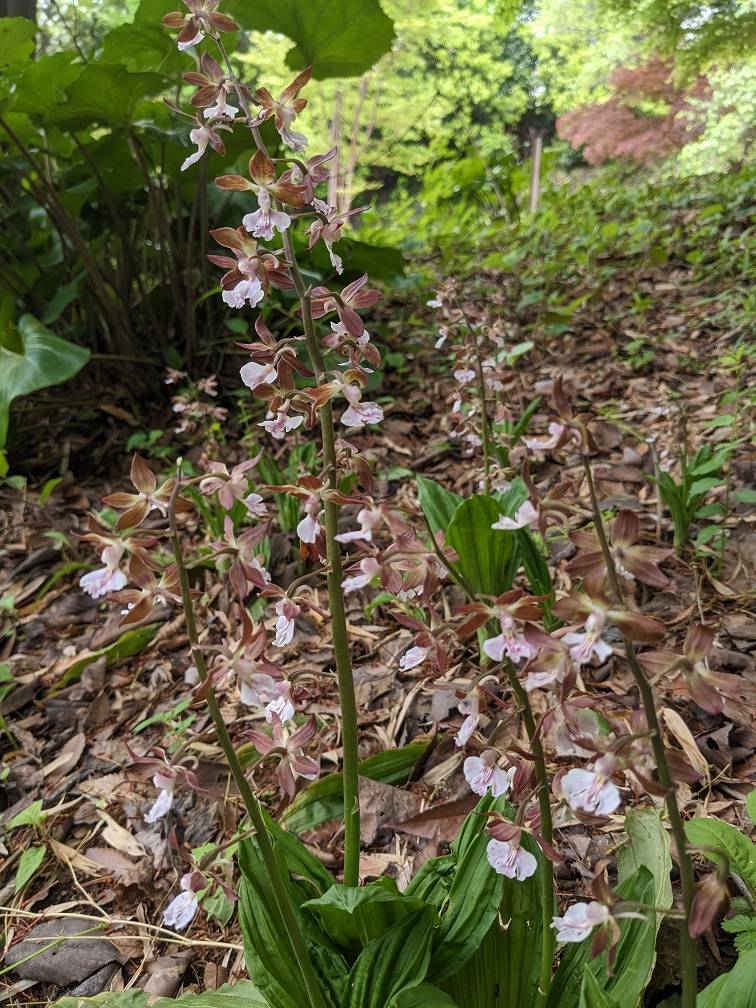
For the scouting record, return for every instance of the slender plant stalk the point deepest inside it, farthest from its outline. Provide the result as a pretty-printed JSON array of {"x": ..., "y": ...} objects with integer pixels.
[
  {"x": 347, "y": 699},
  {"x": 687, "y": 880},
  {"x": 485, "y": 427},
  {"x": 548, "y": 943},
  {"x": 251, "y": 803}
]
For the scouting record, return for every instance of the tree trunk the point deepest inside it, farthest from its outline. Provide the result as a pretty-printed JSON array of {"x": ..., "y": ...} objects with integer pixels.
[{"x": 19, "y": 8}]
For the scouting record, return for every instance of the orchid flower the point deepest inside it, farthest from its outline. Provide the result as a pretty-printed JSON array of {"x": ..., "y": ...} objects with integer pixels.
[
  {"x": 579, "y": 921},
  {"x": 203, "y": 19},
  {"x": 309, "y": 527},
  {"x": 285, "y": 109},
  {"x": 182, "y": 909},
  {"x": 483, "y": 774},
  {"x": 525, "y": 515},
  {"x": 367, "y": 518},
  {"x": 508, "y": 858},
  {"x": 106, "y": 579},
  {"x": 368, "y": 568},
  {"x": 287, "y": 611},
  {"x": 630, "y": 559},
  {"x": 591, "y": 791},
  {"x": 359, "y": 413}
]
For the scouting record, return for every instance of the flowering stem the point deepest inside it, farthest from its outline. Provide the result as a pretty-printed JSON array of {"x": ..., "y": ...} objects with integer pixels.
[
  {"x": 251, "y": 803},
  {"x": 347, "y": 699},
  {"x": 484, "y": 424},
  {"x": 685, "y": 864},
  {"x": 547, "y": 831}
]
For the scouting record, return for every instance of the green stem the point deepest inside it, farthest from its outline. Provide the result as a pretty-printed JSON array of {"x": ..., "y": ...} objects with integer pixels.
[
  {"x": 548, "y": 942},
  {"x": 685, "y": 864},
  {"x": 347, "y": 699},
  {"x": 251, "y": 803}
]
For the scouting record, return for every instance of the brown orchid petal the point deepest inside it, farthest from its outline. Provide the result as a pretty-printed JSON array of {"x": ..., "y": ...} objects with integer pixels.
[
  {"x": 293, "y": 89},
  {"x": 643, "y": 569},
  {"x": 142, "y": 476},
  {"x": 223, "y": 23},
  {"x": 175, "y": 19},
  {"x": 233, "y": 183},
  {"x": 637, "y": 626},
  {"x": 261, "y": 169},
  {"x": 625, "y": 528},
  {"x": 699, "y": 641},
  {"x": 134, "y": 516}
]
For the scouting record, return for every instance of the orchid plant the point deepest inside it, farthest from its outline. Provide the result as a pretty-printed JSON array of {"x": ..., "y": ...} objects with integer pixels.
[{"x": 482, "y": 646}]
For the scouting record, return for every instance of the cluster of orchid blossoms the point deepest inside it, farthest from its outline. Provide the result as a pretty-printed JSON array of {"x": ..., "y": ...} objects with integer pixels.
[{"x": 387, "y": 551}]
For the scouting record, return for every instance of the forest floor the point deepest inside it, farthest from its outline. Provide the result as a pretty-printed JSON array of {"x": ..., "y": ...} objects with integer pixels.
[{"x": 75, "y": 698}]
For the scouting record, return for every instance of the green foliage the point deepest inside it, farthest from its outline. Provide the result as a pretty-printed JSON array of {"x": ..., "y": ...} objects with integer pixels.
[
  {"x": 719, "y": 840},
  {"x": 337, "y": 38},
  {"x": 644, "y": 876},
  {"x": 488, "y": 558},
  {"x": 323, "y": 800},
  {"x": 736, "y": 989},
  {"x": 700, "y": 474},
  {"x": 241, "y": 995},
  {"x": 32, "y": 358}
]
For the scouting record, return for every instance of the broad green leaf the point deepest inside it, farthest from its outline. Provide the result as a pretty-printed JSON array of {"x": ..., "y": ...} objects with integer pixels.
[
  {"x": 592, "y": 995},
  {"x": 423, "y": 996},
  {"x": 17, "y": 37},
  {"x": 501, "y": 956},
  {"x": 433, "y": 881},
  {"x": 241, "y": 995},
  {"x": 644, "y": 873},
  {"x": 750, "y": 804},
  {"x": 537, "y": 573},
  {"x": 352, "y": 916},
  {"x": 29, "y": 863},
  {"x": 42, "y": 85},
  {"x": 381, "y": 262},
  {"x": 396, "y": 961},
  {"x": 130, "y": 643},
  {"x": 437, "y": 504},
  {"x": 337, "y": 38},
  {"x": 33, "y": 358},
  {"x": 710, "y": 834},
  {"x": 105, "y": 93},
  {"x": 736, "y": 989},
  {"x": 323, "y": 800},
  {"x": 487, "y": 557},
  {"x": 474, "y": 898},
  {"x": 270, "y": 960},
  {"x": 703, "y": 486}
]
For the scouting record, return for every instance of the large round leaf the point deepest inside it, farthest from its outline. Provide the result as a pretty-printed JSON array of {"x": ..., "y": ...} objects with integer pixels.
[
  {"x": 337, "y": 38},
  {"x": 32, "y": 358}
]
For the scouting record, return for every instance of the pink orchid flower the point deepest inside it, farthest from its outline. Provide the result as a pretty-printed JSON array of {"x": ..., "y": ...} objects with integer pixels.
[
  {"x": 413, "y": 657},
  {"x": 287, "y": 746},
  {"x": 367, "y": 518},
  {"x": 368, "y": 568},
  {"x": 525, "y": 515},
  {"x": 345, "y": 304},
  {"x": 285, "y": 109},
  {"x": 309, "y": 527},
  {"x": 590, "y": 791},
  {"x": 203, "y": 18},
  {"x": 279, "y": 425},
  {"x": 508, "y": 858},
  {"x": 359, "y": 413},
  {"x": 108, "y": 578},
  {"x": 509, "y": 642},
  {"x": 287, "y": 611},
  {"x": 579, "y": 921},
  {"x": 182, "y": 909},
  {"x": 483, "y": 774},
  {"x": 253, "y": 374}
]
